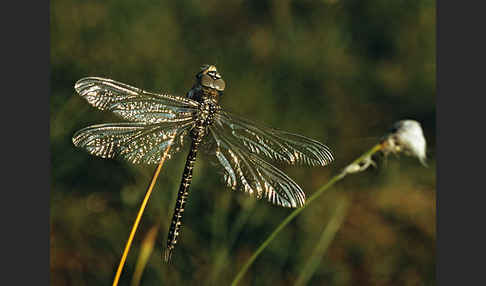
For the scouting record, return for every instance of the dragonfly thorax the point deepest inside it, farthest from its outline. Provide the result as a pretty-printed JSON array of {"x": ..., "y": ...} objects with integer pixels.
[{"x": 207, "y": 110}]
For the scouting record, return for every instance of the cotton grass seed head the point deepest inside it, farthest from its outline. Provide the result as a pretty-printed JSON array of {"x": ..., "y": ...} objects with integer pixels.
[{"x": 407, "y": 137}]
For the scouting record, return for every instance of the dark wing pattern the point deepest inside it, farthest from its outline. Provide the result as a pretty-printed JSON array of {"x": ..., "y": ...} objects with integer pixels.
[
  {"x": 249, "y": 173},
  {"x": 134, "y": 104},
  {"x": 270, "y": 143},
  {"x": 135, "y": 142}
]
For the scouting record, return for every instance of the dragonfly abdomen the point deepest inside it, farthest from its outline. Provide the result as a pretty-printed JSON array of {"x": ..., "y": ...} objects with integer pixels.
[{"x": 183, "y": 194}]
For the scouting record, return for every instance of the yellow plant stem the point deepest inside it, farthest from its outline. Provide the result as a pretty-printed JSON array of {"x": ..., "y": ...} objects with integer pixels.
[{"x": 139, "y": 216}]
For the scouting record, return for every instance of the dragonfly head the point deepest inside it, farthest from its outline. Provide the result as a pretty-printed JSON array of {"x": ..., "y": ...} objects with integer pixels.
[{"x": 209, "y": 77}]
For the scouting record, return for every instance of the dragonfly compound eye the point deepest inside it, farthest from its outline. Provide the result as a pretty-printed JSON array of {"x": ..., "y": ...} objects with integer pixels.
[
  {"x": 206, "y": 81},
  {"x": 219, "y": 84}
]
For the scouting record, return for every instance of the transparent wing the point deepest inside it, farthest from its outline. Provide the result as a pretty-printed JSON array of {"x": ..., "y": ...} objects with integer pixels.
[
  {"x": 247, "y": 172},
  {"x": 134, "y": 142},
  {"x": 132, "y": 103},
  {"x": 270, "y": 143}
]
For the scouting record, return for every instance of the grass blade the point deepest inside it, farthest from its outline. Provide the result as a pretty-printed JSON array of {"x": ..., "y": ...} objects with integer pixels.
[
  {"x": 146, "y": 249},
  {"x": 326, "y": 238},
  {"x": 364, "y": 158},
  {"x": 137, "y": 219}
]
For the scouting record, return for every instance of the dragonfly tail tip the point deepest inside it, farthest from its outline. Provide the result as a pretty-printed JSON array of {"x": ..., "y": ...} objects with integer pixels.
[{"x": 167, "y": 255}]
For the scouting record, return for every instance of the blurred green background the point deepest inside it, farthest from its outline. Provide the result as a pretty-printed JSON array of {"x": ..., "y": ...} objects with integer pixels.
[{"x": 341, "y": 72}]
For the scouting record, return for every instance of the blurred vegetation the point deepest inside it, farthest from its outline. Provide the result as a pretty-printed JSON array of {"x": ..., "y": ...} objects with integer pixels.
[{"x": 341, "y": 72}]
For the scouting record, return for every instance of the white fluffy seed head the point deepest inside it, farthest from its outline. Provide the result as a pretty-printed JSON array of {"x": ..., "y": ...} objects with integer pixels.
[{"x": 407, "y": 137}]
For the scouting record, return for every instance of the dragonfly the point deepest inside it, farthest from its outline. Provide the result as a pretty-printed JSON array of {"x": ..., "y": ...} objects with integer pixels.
[{"x": 160, "y": 123}]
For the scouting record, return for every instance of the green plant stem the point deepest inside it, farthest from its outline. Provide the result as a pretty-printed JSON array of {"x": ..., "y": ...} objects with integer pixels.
[
  {"x": 362, "y": 159},
  {"x": 327, "y": 237}
]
